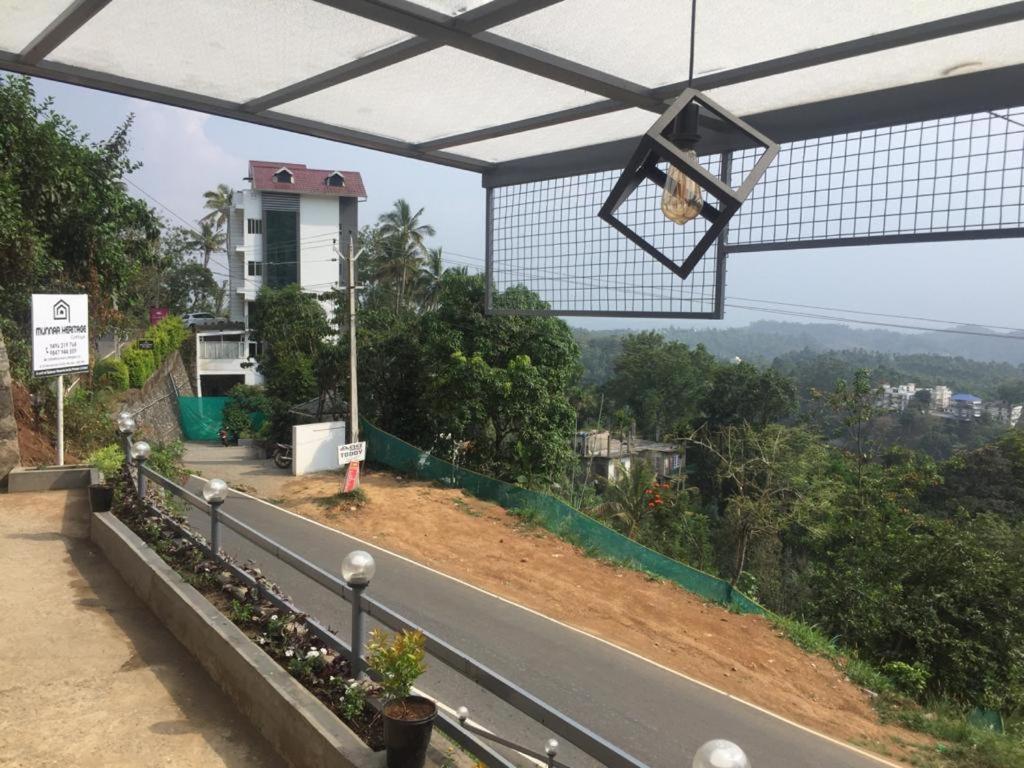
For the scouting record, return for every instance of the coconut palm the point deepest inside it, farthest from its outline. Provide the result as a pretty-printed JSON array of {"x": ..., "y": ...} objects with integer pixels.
[
  {"x": 430, "y": 276},
  {"x": 218, "y": 203},
  {"x": 628, "y": 499},
  {"x": 405, "y": 235},
  {"x": 207, "y": 240}
]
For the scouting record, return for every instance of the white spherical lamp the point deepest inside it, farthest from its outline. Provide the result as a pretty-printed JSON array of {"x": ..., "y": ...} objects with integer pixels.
[
  {"x": 358, "y": 568},
  {"x": 719, "y": 753},
  {"x": 215, "y": 491},
  {"x": 141, "y": 450}
]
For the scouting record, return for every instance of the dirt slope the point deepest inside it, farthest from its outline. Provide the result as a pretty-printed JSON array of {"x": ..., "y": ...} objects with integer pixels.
[{"x": 482, "y": 544}]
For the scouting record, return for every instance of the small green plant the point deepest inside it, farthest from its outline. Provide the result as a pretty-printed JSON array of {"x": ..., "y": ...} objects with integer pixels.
[
  {"x": 398, "y": 659},
  {"x": 354, "y": 700},
  {"x": 912, "y": 679},
  {"x": 110, "y": 373},
  {"x": 240, "y": 613}
]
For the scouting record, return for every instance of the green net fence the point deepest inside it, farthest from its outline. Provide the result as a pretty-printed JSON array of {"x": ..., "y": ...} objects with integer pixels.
[
  {"x": 557, "y": 516},
  {"x": 202, "y": 417}
]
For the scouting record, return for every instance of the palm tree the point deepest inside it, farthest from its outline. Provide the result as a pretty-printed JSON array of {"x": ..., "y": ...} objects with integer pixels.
[
  {"x": 207, "y": 241},
  {"x": 218, "y": 203},
  {"x": 628, "y": 499},
  {"x": 406, "y": 234},
  {"x": 431, "y": 273}
]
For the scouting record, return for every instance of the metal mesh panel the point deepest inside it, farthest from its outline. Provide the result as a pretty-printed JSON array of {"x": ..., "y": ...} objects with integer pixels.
[
  {"x": 546, "y": 236},
  {"x": 950, "y": 177}
]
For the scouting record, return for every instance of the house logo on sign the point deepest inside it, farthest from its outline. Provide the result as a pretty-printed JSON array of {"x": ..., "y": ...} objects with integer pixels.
[{"x": 62, "y": 310}]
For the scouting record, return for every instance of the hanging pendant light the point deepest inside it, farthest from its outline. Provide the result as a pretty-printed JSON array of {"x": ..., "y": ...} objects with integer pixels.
[{"x": 682, "y": 200}]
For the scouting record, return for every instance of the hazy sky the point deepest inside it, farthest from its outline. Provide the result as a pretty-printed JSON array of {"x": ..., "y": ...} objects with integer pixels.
[{"x": 185, "y": 153}]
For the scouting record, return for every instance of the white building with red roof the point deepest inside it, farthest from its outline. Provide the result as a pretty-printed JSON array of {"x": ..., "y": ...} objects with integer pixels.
[{"x": 286, "y": 228}]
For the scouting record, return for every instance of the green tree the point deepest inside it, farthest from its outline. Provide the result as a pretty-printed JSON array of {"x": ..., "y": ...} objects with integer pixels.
[
  {"x": 191, "y": 287},
  {"x": 207, "y": 240},
  {"x": 630, "y": 499},
  {"x": 663, "y": 384},
  {"x": 218, "y": 203},
  {"x": 742, "y": 392},
  {"x": 67, "y": 222},
  {"x": 403, "y": 235},
  {"x": 292, "y": 326}
]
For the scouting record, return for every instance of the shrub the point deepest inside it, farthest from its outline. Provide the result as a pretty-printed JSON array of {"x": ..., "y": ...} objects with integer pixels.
[
  {"x": 141, "y": 365},
  {"x": 87, "y": 421},
  {"x": 912, "y": 679},
  {"x": 111, "y": 372},
  {"x": 398, "y": 660},
  {"x": 108, "y": 460}
]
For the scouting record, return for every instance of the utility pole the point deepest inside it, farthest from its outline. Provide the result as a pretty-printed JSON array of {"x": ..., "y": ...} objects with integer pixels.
[{"x": 353, "y": 388}]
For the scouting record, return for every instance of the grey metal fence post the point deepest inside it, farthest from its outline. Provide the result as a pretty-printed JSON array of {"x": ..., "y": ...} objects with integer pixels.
[
  {"x": 357, "y": 569},
  {"x": 215, "y": 492},
  {"x": 140, "y": 452},
  {"x": 358, "y": 665}
]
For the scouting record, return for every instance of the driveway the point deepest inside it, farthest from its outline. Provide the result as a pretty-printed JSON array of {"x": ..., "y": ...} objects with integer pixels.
[{"x": 653, "y": 713}]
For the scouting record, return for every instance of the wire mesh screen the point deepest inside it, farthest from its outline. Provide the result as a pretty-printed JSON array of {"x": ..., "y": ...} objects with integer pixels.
[
  {"x": 951, "y": 176},
  {"x": 546, "y": 236},
  {"x": 956, "y": 177}
]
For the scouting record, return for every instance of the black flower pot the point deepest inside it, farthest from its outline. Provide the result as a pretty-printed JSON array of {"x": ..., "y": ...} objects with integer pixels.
[
  {"x": 408, "y": 723},
  {"x": 101, "y": 497}
]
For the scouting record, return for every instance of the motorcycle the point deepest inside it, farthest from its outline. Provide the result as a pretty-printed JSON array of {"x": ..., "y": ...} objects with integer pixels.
[{"x": 283, "y": 455}]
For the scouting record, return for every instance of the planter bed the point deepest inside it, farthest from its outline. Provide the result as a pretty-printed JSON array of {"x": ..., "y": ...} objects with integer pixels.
[{"x": 285, "y": 672}]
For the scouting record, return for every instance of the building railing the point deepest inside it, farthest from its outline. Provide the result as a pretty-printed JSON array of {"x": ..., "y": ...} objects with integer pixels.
[{"x": 462, "y": 733}]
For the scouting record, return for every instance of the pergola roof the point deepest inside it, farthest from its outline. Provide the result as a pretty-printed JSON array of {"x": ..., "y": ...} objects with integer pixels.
[{"x": 525, "y": 89}]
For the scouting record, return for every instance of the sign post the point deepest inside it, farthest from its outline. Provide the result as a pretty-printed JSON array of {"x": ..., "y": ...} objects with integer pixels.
[
  {"x": 60, "y": 344},
  {"x": 351, "y": 454}
]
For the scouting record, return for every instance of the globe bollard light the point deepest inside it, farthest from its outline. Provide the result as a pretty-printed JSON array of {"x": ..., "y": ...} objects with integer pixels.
[
  {"x": 551, "y": 749},
  {"x": 463, "y": 714},
  {"x": 140, "y": 453},
  {"x": 719, "y": 753},
  {"x": 215, "y": 492},
  {"x": 357, "y": 569}
]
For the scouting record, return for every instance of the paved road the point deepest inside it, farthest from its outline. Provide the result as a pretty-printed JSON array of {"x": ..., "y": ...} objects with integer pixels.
[{"x": 651, "y": 713}]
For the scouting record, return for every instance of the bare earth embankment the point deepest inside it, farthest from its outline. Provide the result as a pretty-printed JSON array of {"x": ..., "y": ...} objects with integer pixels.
[{"x": 484, "y": 545}]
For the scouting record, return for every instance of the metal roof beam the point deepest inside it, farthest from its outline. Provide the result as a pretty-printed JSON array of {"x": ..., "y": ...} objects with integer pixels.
[
  {"x": 417, "y": 21},
  {"x": 918, "y": 33},
  {"x": 61, "y": 28},
  {"x": 177, "y": 98},
  {"x": 479, "y": 19}
]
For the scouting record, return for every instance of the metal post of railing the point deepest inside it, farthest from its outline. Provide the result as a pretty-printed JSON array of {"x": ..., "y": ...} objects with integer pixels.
[
  {"x": 140, "y": 452},
  {"x": 357, "y": 569},
  {"x": 215, "y": 492}
]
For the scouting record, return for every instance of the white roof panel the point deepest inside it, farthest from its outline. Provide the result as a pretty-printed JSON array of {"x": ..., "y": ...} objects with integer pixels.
[
  {"x": 652, "y": 47},
  {"x": 484, "y": 82},
  {"x": 229, "y": 49},
  {"x": 617, "y": 125},
  {"x": 933, "y": 60},
  {"x": 436, "y": 94}
]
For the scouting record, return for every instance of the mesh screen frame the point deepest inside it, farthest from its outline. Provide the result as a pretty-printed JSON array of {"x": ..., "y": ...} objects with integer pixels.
[{"x": 952, "y": 178}]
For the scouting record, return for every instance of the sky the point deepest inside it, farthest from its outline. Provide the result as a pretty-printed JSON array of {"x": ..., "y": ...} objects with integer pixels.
[{"x": 184, "y": 153}]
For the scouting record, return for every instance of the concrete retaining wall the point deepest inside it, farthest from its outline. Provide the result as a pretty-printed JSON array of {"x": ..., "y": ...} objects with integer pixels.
[
  {"x": 303, "y": 731},
  {"x": 32, "y": 479}
]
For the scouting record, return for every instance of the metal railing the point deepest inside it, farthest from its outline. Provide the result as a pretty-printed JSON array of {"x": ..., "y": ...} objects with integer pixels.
[
  {"x": 464, "y": 734},
  {"x": 222, "y": 350}
]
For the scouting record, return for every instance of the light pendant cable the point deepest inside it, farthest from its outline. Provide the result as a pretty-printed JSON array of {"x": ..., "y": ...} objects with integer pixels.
[{"x": 693, "y": 38}]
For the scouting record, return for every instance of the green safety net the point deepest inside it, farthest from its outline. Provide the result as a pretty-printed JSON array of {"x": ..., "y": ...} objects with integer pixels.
[
  {"x": 554, "y": 514},
  {"x": 202, "y": 417}
]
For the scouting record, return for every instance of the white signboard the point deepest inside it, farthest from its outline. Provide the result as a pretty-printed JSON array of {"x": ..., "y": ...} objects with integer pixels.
[
  {"x": 351, "y": 452},
  {"x": 60, "y": 333}
]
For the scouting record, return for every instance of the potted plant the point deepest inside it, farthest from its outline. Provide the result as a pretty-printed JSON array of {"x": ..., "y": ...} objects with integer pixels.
[
  {"x": 108, "y": 462},
  {"x": 408, "y": 719}
]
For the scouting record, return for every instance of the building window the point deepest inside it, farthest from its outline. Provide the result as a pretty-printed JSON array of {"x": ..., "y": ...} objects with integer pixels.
[
  {"x": 336, "y": 180},
  {"x": 255, "y": 269},
  {"x": 283, "y": 176},
  {"x": 281, "y": 248},
  {"x": 255, "y": 226}
]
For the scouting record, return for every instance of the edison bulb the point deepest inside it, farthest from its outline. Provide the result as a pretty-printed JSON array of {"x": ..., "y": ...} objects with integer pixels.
[{"x": 681, "y": 201}]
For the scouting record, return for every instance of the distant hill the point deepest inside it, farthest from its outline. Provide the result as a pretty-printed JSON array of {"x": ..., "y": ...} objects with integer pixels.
[{"x": 764, "y": 341}]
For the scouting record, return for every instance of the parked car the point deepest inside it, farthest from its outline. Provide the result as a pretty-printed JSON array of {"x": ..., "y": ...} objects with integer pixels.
[{"x": 192, "y": 319}]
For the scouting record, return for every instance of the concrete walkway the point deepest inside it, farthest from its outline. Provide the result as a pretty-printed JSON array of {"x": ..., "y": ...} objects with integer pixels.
[{"x": 88, "y": 677}]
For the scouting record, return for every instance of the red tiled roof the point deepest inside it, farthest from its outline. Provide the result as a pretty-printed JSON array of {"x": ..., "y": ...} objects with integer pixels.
[{"x": 306, "y": 181}]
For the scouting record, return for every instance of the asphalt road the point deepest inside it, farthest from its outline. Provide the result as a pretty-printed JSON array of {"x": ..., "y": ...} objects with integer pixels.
[{"x": 655, "y": 715}]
